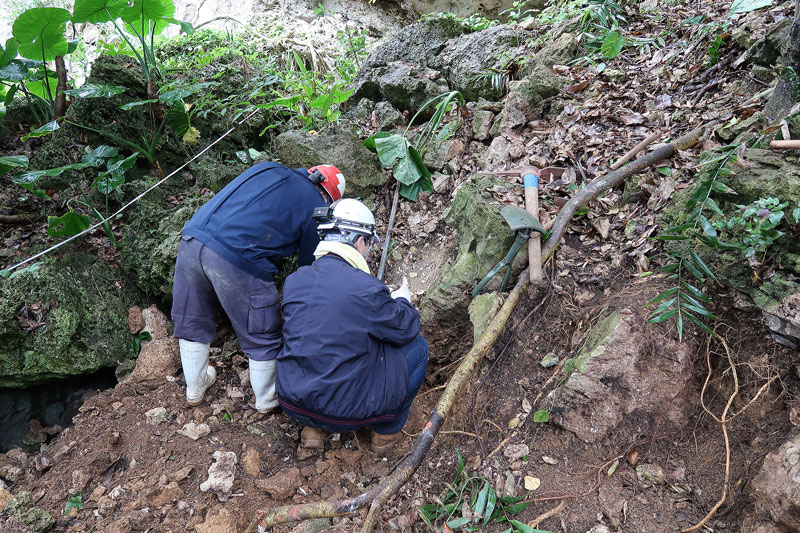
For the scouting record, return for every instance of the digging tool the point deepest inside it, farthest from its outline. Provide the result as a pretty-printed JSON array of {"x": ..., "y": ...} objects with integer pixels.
[
  {"x": 530, "y": 180},
  {"x": 522, "y": 223}
]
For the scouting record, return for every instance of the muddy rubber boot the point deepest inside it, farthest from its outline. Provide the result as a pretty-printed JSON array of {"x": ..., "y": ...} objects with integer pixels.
[
  {"x": 198, "y": 374},
  {"x": 313, "y": 438},
  {"x": 262, "y": 379},
  {"x": 381, "y": 443}
]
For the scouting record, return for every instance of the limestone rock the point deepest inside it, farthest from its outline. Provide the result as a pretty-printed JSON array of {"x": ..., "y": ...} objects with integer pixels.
[
  {"x": 313, "y": 526},
  {"x": 339, "y": 146},
  {"x": 21, "y": 506},
  {"x": 283, "y": 484},
  {"x": 467, "y": 59},
  {"x": 440, "y": 152},
  {"x": 388, "y": 117},
  {"x": 406, "y": 85},
  {"x": 120, "y": 525},
  {"x": 195, "y": 431},
  {"x": 483, "y": 239},
  {"x": 559, "y": 51},
  {"x": 220, "y": 475},
  {"x": 218, "y": 520},
  {"x": 54, "y": 325},
  {"x": 619, "y": 370},
  {"x": 251, "y": 462},
  {"x": 481, "y": 123},
  {"x": 482, "y": 310},
  {"x": 161, "y": 495},
  {"x": 775, "y": 488},
  {"x": 159, "y": 356},
  {"x": 135, "y": 319},
  {"x": 5, "y": 496},
  {"x": 156, "y": 415}
]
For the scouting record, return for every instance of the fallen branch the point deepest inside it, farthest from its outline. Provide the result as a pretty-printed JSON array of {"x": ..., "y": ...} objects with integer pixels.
[
  {"x": 792, "y": 144},
  {"x": 653, "y": 137},
  {"x": 390, "y": 485},
  {"x": 18, "y": 219}
]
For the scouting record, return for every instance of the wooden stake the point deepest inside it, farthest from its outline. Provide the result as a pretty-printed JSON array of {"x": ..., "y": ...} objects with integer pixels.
[{"x": 531, "y": 183}]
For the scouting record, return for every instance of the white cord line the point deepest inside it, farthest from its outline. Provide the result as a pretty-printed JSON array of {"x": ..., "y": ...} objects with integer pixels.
[{"x": 124, "y": 207}]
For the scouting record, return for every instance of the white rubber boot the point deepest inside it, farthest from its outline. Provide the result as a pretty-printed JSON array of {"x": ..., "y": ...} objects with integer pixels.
[
  {"x": 198, "y": 375},
  {"x": 262, "y": 379}
]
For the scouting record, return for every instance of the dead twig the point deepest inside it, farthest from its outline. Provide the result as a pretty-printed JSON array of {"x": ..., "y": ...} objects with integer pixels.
[
  {"x": 650, "y": 139},
  {"x": 549, "y": 514}
]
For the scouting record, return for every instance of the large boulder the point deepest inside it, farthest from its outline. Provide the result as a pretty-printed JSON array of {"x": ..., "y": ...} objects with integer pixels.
[
  {"x": 776, "y": 489},
  {"x": 468, "y": 61},
  {"x": 623, "y": 371},
  {"x": 483, "y": 239},
  {"x": 559, "y": 51},
  {"x": 339, "y": 145},
  {"x": 404, "y": 85},
  {"x": 64, "y": 319}
]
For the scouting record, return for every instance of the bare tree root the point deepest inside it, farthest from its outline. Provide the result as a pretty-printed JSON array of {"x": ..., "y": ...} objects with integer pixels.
[
  {"x": 549, "y": 514},
  {"x": 389, "y": 485},
  {"x": 723, "y": 420}
]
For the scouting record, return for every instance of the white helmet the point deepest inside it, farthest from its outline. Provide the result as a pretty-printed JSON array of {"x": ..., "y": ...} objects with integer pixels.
[{"x": 345, "y": 221}]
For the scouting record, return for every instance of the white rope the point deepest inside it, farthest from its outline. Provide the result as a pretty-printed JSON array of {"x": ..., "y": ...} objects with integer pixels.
[{"x": 124, "y": 207}]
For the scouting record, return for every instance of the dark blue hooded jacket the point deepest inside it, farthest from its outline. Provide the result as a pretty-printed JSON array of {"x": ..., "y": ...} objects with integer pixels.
[
  {"x": 263, "y": 214},
  {"x": 342, "y": 332}
]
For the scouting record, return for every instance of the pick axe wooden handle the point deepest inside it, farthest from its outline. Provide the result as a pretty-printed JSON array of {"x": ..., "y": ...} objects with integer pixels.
[{"x": 531, "y": 183}]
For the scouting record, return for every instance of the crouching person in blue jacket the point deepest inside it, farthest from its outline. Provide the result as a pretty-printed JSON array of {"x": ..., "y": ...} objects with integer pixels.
[
  {"x": 352, "y": 355},
  {"x": 226, "y": 262}
]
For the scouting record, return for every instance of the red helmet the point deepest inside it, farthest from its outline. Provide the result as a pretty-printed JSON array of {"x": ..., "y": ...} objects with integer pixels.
[{"x": 331, "y": 180}]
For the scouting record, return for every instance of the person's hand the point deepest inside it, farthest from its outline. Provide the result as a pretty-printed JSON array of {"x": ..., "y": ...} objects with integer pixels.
[{"x": 402, "y": 291}]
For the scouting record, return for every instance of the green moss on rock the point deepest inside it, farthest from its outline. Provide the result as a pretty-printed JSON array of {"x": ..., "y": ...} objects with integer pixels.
[
  {"x": 36, "y": 518},
  {"x": 65, "y": 319}
]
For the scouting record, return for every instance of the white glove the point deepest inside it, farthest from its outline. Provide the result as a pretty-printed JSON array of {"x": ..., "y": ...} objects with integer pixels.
[{"x": 402, "y": 291}]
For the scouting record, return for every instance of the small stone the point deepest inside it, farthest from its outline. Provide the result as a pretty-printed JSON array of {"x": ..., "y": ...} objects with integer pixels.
[
  {"x": 135, "y": 319},
  {"x": 181, "y": 474},
  {"x": 549, "y": 460},
  {"x": 532, "y": 483},
  {"x": 235, "y": 393},
  {"x": 220, "y": 475},
  {"x": 158, "y": 496},
  {"x": 652, "y": 473},
  {"x": 195, "y": 431},
  {"x": 116, "y": 493},
  {"x": 516, "y": 451},
  {"x": 156, "y": 416},
  {"x": 97, "y": 493},
  {"x": 121, "y": 525},
  {"x": 251, "y": 462},
  {"x": 5, "y": 496},
  {"x": 549, "y": 360},
  {"x": 218, "y": 520},
  {"x": 508, "y": 488},
  {"x": 282, "y": 485}
]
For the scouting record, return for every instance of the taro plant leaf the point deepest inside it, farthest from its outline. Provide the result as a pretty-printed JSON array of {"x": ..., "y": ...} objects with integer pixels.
[
  {"x": 410, "y": 168},
  {"x": 144, "y": 16},
  {"x": 745, "y": 6},
  {"x": 12, "y": 161},
  {"x": 186, "y": 27},
  {"x": 109, "y": 181},
  {"x": 38, "y": 193},
  {"x": 178, "y": 119},
  {"x": 122, "y": 165},
  {"x": 91, "y": 90},
  {"x": 369, "y": 142},
  {"x": 71, "y": 223},
  {"x": 174, "y": 96},
  {"x": 48, "y": 128},
  {"x": 14, "y": 71},
  {"x": 392, "y": 148},
  {"x": 33, "y": 175},
  {"x": 99, "y": 155},
  {"x": 131, "y": 105},
  {"x": 40, "y": 32},
  {"x": 9, "y": 52},
  {"x": 412, "y": 191},
  {"x": 612, "y": 44},
  {"x": 40, "y": 88},
  {"x": 96, "y": 11}
]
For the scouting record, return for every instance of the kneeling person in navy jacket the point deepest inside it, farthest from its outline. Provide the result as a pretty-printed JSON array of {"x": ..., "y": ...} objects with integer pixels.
[{"x": 352, "y": 355}]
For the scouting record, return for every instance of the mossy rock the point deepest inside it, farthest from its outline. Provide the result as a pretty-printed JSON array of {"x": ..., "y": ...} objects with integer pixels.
[
  {"x": 64, "y": 319},
  {"x": 483, "y": 239},
  {"x": 36, "y": 518}
]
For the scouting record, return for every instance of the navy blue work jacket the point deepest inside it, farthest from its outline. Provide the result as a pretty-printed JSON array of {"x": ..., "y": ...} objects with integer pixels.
[
  {"x": 342, "y": 332},
  {"x": 264, "y": 214}
]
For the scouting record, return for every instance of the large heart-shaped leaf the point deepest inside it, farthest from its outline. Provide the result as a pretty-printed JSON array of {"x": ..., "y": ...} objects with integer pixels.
[
  {"x": 40, "y": 32},
  {"x": 41, "y": 89},
  {"x": 97, "y": 10},
  {"x": 391, "y": 148},
  {"x": 410, "y": 169},
  {"x": 12, "y": 161},
  {"x": 33, "y": 175},
  {"x": 412, "y": 191},
  {"x": 144, "y": 16},
  {"x": 174, "y": 95},
  {"x": 48, "y": 128},
  {"x": 99, "y": 155},
  {"x": 14, "y": 71},
  {"x": 369, "y": 142},
  {"x": 178, "y": 119},
  {"x": 612, "y": 44},
  {"x": 9, "y": 52},
  {"x": 137, "y": 103},
  {"x": 68, "y": 225},
  {"x": 91, "y": 90}
]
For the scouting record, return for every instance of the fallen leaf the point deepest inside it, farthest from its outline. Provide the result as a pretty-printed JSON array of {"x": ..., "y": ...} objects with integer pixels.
[
  {"x": 632, "y": 456},
  {"x": 549, "y": 460},
  {"x": 526, "y": 405},
  {"x": 603, "y": 226}
]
